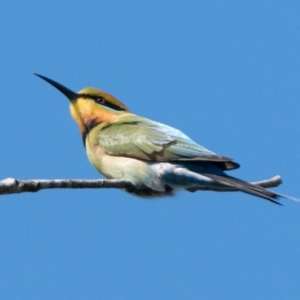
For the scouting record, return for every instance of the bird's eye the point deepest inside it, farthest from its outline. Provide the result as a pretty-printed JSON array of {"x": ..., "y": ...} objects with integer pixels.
[{"x": 100, "y": 100}]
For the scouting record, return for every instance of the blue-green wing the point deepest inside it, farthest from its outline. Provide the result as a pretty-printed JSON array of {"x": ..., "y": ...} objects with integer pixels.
[{"x": 148, "y": 140}]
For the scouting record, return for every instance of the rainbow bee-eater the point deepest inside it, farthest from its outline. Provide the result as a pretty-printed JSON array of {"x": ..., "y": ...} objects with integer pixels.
[{"x": 156, "y": 159}]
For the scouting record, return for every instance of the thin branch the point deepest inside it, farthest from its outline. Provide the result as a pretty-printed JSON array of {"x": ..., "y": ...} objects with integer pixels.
[
  {"x": 269, "y": 183},
  {"x": 15, "y": 186}
]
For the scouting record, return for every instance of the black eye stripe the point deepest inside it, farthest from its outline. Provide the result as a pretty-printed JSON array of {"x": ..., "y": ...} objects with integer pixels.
[{"x": 102, "y": 101}]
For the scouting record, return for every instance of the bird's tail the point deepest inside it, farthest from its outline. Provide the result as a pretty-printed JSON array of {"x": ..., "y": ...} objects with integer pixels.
[{"x": 246, "y": 187}]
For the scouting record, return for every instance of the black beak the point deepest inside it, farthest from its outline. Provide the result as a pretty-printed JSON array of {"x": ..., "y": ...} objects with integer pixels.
[{"x": 68, "y": 93}]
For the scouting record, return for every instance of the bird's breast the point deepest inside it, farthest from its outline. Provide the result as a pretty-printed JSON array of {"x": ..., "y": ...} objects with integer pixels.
[{"x": 115, "y": 167}]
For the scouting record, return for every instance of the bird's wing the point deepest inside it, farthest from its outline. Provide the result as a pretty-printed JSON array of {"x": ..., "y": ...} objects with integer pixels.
[{"x": 148, "y": 140}]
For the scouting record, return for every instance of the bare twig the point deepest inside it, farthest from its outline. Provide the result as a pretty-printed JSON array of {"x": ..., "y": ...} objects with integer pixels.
[
  {"x": 268, "y": 183},
  {"x": 15, "y": 186}
]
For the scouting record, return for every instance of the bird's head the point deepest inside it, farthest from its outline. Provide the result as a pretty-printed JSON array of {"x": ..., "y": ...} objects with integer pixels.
[{"x": 90, "y": 106}]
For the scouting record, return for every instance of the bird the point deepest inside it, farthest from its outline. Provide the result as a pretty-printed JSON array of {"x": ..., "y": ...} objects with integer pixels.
[{"x": 157, "y": 160}]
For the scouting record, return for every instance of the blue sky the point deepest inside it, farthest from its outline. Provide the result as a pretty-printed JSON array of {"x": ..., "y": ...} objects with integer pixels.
[{"x": 227, "y": 73}]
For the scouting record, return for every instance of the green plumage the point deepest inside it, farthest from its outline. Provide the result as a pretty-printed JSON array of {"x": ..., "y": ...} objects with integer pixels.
[{"x": 140, "y": 138}]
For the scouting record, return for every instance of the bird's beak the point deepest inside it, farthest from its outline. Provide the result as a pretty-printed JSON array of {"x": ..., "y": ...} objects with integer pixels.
[{"x": 68, "y": 93}]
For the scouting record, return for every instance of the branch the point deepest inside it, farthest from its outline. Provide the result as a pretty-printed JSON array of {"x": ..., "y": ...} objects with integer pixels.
[
  {"x": 268, "y": 183},
  {"x": 15, "y": 186}
]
